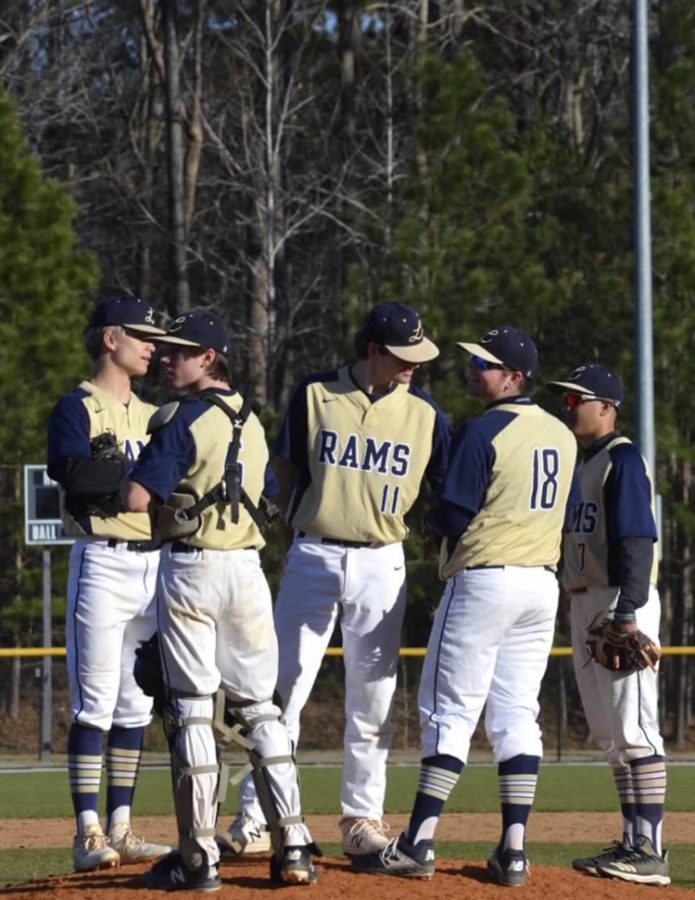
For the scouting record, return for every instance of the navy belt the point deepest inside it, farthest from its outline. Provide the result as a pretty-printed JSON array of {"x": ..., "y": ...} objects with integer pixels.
[
  {"x": 180, "y": 547},
  {"x": 338, "y": 542},
  {"x": 475, "y": 568},
  {"x": 135, "y": 546}
]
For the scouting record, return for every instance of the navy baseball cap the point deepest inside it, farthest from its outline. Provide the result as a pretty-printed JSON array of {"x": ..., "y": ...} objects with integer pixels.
[
  {"x": 198, "y": 328},
  {"x": 507, "y": 347},
  {"x": 591, "y": 380},
  {"x": 126, "y": 311},
  {"x": 399, "y": 328}
]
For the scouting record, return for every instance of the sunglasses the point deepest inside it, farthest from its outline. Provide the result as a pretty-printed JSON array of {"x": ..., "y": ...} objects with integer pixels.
[
  {"x": 484, "y": 365},
  {"x": 572, "y": 401}
]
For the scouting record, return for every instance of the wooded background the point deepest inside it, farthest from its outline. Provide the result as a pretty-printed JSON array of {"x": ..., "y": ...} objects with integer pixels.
[{"x": 291, "y": 162}]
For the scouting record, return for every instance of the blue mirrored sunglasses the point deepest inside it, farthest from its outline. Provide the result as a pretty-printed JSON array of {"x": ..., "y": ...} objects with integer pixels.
[{"x": 484, "y": 365}]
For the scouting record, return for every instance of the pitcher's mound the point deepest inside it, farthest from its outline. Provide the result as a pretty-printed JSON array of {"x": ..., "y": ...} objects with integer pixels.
[{"x": 248, "y": 879}]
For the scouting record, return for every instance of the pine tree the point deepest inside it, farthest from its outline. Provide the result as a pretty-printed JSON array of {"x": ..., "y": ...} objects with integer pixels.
[{"x": 44, "y": 282}]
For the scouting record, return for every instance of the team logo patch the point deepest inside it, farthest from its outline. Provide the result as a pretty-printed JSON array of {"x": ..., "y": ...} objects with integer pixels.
[
  {"x": 418, "y": 334},
  {"x": 149, "y": 318},
  {"x": 177, "y": 324},
  {"x": 577, "y": 374}
]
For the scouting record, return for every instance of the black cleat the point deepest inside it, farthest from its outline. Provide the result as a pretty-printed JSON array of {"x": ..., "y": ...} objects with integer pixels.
[
  {"x": 508, "y": 867},
  {"x": 399, "y": 857},
  {"x": 295, "y": 866},
  {"x": 172, "y": 874},
  {"x": 591, "y": 865},
  {"x": 641, "y": 865}
]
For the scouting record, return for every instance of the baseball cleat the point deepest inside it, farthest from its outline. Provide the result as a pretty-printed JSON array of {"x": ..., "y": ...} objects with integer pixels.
[
  {"x": 362, "y": 835},
  {"x": 590, "y": 865},
  {"x": 508, "y": 867},
  {"x": 295, "y": 867},
  {"x": 245, "y": 835},
  {"x": 172, "y": 874},
  {"x": 641, "y": 865},
  {"x": 398, "y": 857},
  {"x": 134, "y": 849},
  {"x": 91, "y": 850}
]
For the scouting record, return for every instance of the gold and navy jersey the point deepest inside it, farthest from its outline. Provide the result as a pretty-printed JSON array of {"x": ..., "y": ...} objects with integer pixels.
[
  {"x": 509, "y": 479},
  {"x": 617, "y": 502},
  {"x": 188, "y": 455},
  {"x": 360, "y": 459},
  {"x": 76, "y": 419}
]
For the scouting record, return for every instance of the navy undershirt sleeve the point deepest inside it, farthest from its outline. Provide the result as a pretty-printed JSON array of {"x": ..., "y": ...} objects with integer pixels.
[
  {"x": 441, "y": 444},
  {"x": 630, "y": 528},
  {"x": 627, "y": 494},
  {"x": 291, "y": 442},
  {"x": 163, "y": 462},
  {"x": 270, "y": 484},
  {"x": 634, "y": 563},
  {"x": 471, "y": 458},
  {"x": 69, "y": 454},
  {"x": 68, "y": 429}
]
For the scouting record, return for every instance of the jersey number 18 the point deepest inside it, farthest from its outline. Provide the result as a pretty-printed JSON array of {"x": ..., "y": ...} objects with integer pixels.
[{"x": 546, "y": 466}]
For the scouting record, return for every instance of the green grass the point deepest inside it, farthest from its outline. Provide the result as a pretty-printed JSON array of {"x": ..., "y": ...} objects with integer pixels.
[{"x": 560, "y": 789}]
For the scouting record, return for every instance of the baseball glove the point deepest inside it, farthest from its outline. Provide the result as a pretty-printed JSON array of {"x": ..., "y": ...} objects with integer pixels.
[
  {"x": 634, "y": 650},
  {"x": 148, "y": 672},
  {"x": 104, "y": 448}
]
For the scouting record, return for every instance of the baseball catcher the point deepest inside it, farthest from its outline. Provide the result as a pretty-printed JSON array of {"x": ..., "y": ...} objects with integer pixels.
[{"x": 621, "y": 651}]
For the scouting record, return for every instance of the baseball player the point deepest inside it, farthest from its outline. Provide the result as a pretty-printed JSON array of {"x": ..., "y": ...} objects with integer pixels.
[
  {"x": 112, "y": 573},
  {"x": 502, "y": 509},
  {"x": 610, "y": 570},
  {"x": 352, "y": 451},
  {"x": 208, "y": 455}
]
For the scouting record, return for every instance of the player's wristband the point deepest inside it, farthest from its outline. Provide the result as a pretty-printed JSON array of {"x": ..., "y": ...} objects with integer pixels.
[{"x": 624, "y": 616}]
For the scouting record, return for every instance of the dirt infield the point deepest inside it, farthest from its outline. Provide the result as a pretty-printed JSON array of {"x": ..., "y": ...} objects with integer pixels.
[
  {"x": 679, "y": 828},
  {"x": 455, "y": 879},
  {"x": 247, "y": 879}
]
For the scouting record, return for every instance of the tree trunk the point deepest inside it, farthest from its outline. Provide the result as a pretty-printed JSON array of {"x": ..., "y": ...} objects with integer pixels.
[
  {"x": 179, "y": 300},
  {"x": 194, "y": 129}
]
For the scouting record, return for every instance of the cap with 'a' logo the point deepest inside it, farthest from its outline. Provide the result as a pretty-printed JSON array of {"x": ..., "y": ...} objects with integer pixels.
[
  {"x": 198, "y": 328},
  {"x": 398, "y": 328},
  {"x": 128, "y": 312}
]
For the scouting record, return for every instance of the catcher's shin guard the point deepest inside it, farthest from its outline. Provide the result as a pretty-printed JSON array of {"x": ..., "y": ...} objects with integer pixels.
[
  {"x": 195, "y": 773},
  {"x": 271, "y": 765}
]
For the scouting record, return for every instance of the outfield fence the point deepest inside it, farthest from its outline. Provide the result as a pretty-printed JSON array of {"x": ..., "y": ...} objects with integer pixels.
[{"x": 34, "y": 716}]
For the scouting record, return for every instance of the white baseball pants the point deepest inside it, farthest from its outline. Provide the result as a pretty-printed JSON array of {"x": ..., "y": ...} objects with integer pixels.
[
  {"x": 620, "y": 708},
  {"x": 110, "y": 609},
  {"x": 216, "y": 629},
  {"x": 490, "y": 643},
  {"x": 363, "y": 588}
]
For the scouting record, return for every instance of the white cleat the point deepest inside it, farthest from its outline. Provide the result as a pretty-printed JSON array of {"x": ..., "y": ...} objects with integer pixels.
[
  {"x": 246, "y": 836},
  {"x": 134, "y": 849},
  {"x": 91, "y": 850},
  {"x": 361, "y": 836}
]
